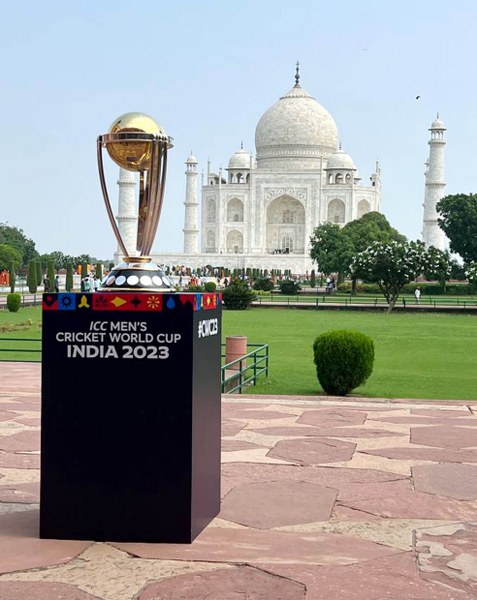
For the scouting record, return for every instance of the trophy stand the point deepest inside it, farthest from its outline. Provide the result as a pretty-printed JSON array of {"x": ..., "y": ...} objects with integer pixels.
[{"x": 130, "y": 447}]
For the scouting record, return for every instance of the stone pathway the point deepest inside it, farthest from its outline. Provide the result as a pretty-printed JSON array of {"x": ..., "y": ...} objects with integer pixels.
[{"x": 322, "y": 499}]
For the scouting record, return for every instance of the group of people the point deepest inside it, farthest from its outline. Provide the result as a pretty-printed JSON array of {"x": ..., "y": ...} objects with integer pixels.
[{"x": 90, "y": 283}]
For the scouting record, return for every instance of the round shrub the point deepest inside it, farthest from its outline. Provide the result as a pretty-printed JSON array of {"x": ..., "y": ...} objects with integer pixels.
[
  {"x": 344, "y": 360},
  {"x": 14, "y": 302},
  {"x": 288, "y": 287},
  {"x": 210, "y": 286},
  {"x": 263, "y": 284},
  {"x": 237, "y": 296}
]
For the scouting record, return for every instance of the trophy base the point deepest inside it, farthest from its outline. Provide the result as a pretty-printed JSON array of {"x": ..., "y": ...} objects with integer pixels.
[{"x": 137, "y": 274}]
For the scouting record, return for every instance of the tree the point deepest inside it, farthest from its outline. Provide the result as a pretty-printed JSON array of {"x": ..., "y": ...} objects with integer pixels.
[
  {"x": 458, "y": 220},
  {"x": 391, "y": 266},
  {"x": 313, "y": 279},
  {"x": 331, "y": 249},
  {"x": 50, "y": 270},
  {"x": 334, "y": 248},
  {"x": 9, "y": 256},
  {"x": 69, "y": 277},
  {"x": 39, "y": 272},
  {"x": 59, "y": 259},
  {"x": 15, "y": 238},
  {"x": 12, "y": 278},
  {"x": 439, "y": 266},
  {"x": 31, "y": 278}
]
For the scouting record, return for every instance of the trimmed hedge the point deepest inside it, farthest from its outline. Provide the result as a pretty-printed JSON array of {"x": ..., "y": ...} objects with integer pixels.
[
  {"x": 427, "y": 289},
  {"x": 14, "y": 302},
  {"x": 344, "y": 360},
  {"x": 263, "y": 284},
  {"x": 210, "y": 286},
  {"x": 288, "y": 287},
  {"x": 237, "y": 296}
]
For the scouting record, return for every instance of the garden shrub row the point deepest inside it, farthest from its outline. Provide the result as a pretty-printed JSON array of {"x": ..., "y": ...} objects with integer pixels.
[{"x": 427, "y": 289}]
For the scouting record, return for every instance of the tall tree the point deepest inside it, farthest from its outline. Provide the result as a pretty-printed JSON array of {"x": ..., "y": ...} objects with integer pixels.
[
  {"x": 458, "y": 220},
  {"x": 9, "y": 256},
  {"x": 15, "y": 238},
  {"x": 331, "y": 249},
  {"x": 69, "y": 277},
  {"x": 31, "y": 278}
]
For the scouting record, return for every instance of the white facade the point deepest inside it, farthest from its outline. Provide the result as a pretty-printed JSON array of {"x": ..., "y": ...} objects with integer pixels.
[
  {"x": 261, "y": 211},
  {"x": 432, "y": 234}
]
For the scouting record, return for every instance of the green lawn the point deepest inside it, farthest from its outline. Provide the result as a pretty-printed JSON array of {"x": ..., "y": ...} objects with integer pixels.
[
  {"x": 417, "y": 355},
  {"x": 24, "y": 324}
]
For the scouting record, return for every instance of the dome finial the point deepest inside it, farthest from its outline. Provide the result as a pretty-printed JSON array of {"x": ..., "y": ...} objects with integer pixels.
[
  {"x": 437, "y": 116},
  {"x": 241, "y": 145},
  {"x": 297, "y": 74}
]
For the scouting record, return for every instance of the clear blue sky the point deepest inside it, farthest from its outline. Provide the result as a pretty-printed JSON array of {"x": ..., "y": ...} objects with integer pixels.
[{"x": 207, "y": 71}]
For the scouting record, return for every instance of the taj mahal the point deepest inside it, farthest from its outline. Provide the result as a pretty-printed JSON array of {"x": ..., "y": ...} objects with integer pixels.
[{"x": 261, "y": 210}]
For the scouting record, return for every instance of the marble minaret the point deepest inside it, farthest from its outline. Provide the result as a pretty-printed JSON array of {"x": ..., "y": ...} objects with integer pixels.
[
  {"x": 191, "y": 220},
  {"x": 432, "y": 234},
  {"x": 127, "y": 215}
]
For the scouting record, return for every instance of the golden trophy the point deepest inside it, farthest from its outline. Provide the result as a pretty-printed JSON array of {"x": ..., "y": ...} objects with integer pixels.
[{"x": 137, "y": 143}]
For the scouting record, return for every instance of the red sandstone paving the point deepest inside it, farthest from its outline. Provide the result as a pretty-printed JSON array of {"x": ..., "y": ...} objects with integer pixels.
[
  {"x": 313, "y": 451},
  {"x": 19, "y": 461},
  {"x": 234, "y": 445},
  {"x": 255, "y": 546},
  {"x": 21, "y": 549},
  {"x": 7, "y": 415},
  {"x": 29, "y": 421},
  {"x": 431, "y": 454},
  {"x": 325, "y": 432},
  {"x": 18, "y": 375},
  {"x": 41, "y": 590},
  {"x": 467, "y": 421},
  {"x": 352, "y": 491},
  {"x": 238, "y": 583},
  {"x": 442, "y": 413},
  {"x": 386, "y": 578},
  {"x": 451, "y": 480},
  {"x": 271, "y": 504},
  {"x": 416, "y": 505},
  {"x": 230, "y": 428},
  {"x": 332, "y": 417},
  {"x": 257, "y": 415},
  {"x": 24, "y": 441},
  {"x": 444, "y": 436},
  {"x": 444, "y": 558},
  {"x": 24, "y": 493},
  {"x": 20, "y": 406},
  {"x": 234, "y": 474}
]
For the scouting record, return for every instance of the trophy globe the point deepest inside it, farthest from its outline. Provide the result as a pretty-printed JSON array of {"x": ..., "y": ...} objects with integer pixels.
[{"x": 137, "y": 143}]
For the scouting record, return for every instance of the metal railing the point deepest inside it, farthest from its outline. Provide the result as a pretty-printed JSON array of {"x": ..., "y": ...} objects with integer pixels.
[
  {"x": 19, "y": 350},
  {"x": 244, "y": 370},
  {"x": 374, "y": 301}
]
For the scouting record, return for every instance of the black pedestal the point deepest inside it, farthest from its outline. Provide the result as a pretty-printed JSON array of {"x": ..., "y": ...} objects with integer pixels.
[{"x": 130, "y": 446}]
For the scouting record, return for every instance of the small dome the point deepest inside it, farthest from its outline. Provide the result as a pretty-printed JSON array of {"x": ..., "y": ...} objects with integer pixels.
[
  {"x": 437, "y": 123},
  {"x": 191, "y": 160},
  {"x": 240, "y": 160},
  {"x": 341, "y": 160}
]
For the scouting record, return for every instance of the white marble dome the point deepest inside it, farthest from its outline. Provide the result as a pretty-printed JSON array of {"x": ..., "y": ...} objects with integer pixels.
[
  {"x": 191, "y": 160},
  {"x": 341, "y": 160},
  {"x": 437, "y": 124},
  {"x": 295, "y": 133},
  {"x": 240, "y": 160}
]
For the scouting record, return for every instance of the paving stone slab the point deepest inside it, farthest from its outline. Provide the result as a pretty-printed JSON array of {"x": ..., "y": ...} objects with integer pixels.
[
  {"x": 238, "y": 583},
  {"x": 19, "y": 461},
  {"x": 23, "y": 441},
  {"x": 352, "y": 491},
  {"x": 468, "y": 421},
  {"x": 451, "y": 480},
  {"x": 20, "y": 492},
  {"x": 448, "y": 555},
  {"x": 20, "y": 547},
  {"x": 344, "y": 432},
  {"x": 332, "y": 417},
  {"x": 387, "y": 578},
  {"x": 416, "y": 505},
  {"x": 251, "y": 545},
  {"x": 277, "y": 503},
  {"x": 234, "y": 445},
  {"x": 445, "y": 436},
  {"x": 441, "y": 455},
  {"x": 41, "y": 590},
  {"x": 8, "y": 415},
  {"x": 231, "y": 428},
  {"x": 313, "y": 451}
]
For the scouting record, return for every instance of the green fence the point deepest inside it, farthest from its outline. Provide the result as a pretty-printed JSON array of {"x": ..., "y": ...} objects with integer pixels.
[{"x": 245, "y": 370}]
